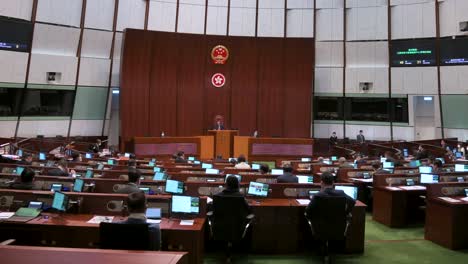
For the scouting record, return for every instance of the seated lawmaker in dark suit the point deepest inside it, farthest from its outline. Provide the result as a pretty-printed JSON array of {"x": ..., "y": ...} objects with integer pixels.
[
  {"x": 287, "y": 176},
  {"x": 231, "y": 189},
  {"x": 26, "y": 159},
  {"x": 132, "y": 185},
  {"x": 61, "y": 170},
  {"x": 219, "y": 125},
  {"x": 180, "y": 157},
  {"x": 136, "y": 204},
  {"x": 421, "y": 153},
  {"x": 26, "y": 180},
  {"x": 327, "y": 189}
]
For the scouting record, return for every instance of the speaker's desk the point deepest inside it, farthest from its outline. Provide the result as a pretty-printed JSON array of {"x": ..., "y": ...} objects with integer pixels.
[
  {"x": 73, "y": 230},
  {"x": 48, "y": 255}
]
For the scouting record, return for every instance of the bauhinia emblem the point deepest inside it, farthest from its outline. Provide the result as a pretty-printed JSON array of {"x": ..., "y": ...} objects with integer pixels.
[{"x": 218, "y": 80}]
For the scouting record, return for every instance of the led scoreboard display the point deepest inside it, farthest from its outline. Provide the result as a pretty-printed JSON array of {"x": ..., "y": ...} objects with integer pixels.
[{"x": 411, "y": 53}]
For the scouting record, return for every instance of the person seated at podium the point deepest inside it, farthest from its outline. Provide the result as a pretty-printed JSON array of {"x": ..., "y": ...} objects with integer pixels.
[
  {"x": 26, "y": 180},
  {"x": 287, "y": 176},
  {"x": 241, "y": 163},
  {"x": 132, "y": 184},
  {"x": 61, "y": 170},
  {"x": 180, "y": 157},
  {"x": 136, "y": 204},
  {"x": 327, "y": 189},
  {"x": 219, "y": 125},
  {"x": 264, "y": 169}
]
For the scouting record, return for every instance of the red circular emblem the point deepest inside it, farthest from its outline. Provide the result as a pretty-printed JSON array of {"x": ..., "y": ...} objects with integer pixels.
[
  {"x": 219, "y": 54},
  {"x": 218, "y": 80}
]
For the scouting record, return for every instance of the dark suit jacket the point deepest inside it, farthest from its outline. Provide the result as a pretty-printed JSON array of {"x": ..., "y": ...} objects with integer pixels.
[
  {"x": 215, "y": 127},
  {"x": 360, "y": 138},
  {"x": 350, "y": 202},
  {"x": 22, "y": 186},
  {"x": 233, "y": 193},
  {"x": 333, "y": 140},
  {"x": 180, "y": 160},
  {"x": 23, "y": 162},
  {"x": 57, "y": 172},
  {"x": 287, "y": 177},
  {"x": 154, "y": 231}
]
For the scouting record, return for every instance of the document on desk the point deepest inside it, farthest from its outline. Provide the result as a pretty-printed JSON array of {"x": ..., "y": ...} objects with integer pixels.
[
  {"x": 393, "y": 188},
  {"x": 153, "y": 221},
  {"x": 450, "y": 200},
  {"x": 6, "y": 215},
  {"x": 415, "y": 187},
  {"x": 186, "y": 222},
  {"x": 209, "y": 200},
  {"x": 303, "y": 201},
  {"x": 464, "y": 199},
  {"x": 97, "y": 219}
]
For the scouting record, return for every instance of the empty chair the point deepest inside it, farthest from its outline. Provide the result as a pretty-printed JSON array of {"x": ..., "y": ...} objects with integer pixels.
[{"x": 124, "y": 236}]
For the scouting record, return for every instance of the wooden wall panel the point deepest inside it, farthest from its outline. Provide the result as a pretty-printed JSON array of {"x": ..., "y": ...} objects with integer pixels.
[
  {"x": 134, "y": 107},
  {"x": 166, "y": 85},
  {"x": 298, "y": 87},
  {"x": 163, "y": 85},
  {"x": 217, "y": 100},
  {"x": 270, "y": 98},
  {"x": 244, "y": 82},
  {"x": 190, "y": 84}
]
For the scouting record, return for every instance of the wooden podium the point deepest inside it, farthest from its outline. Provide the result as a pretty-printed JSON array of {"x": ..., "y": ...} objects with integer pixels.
[{"x": 224, "y": 142}]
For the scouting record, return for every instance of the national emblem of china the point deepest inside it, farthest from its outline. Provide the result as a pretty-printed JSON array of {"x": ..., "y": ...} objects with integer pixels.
[{"x": 219, "y": 54}]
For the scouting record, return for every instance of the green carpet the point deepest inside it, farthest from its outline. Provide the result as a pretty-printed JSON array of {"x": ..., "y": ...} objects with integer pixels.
[{"x": 382, "y": 245}]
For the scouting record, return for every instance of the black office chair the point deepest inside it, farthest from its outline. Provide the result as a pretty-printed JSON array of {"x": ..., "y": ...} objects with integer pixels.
[
  {"x": 124, "y": 236},
  {"x": 229, "y": 220},
  {"x": 329, "y": 221}
]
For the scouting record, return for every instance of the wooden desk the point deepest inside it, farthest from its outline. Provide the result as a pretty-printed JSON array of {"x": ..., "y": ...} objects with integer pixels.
[
  {"x": 70, "y": 230},
  {"x": 280, "y": 227},
  {"x": 202, "y": 146},
  {"x": 47, "y": 255},
  {"x": 446, "y": 219},
  {"x": 397, "y": 207},
  {"x": 269, "y": 149},
  {"x": 223, "y": 142}
]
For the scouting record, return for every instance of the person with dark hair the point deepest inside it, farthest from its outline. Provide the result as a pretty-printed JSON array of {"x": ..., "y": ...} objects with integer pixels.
[
  {"x": 231, "y": 188},
  {"x": 61, "y": 170},
  {"x": 132, "y": 184},
  {"x": 437, "y": 166},
  {"x": 241, "y": 163},
  {"x": 333, "y": 139},
  {"x": 377, "y": 166},
  {"x": 390, "y": 157},
  {"x": 180, "y": 157},
  {"x": 136, "y": 205},
  {"x": 360, "y": 137},
  {"x": 287, "y": 176},
  {"x": 26, "y": 180},
  {"x": 327, "y": 189},
  {"x": 26, "y": 159},
  {"x": 76, "y": 156},
  {"x": 421, "y": 153},
  {"x": 96, "y": 147},
  {"x": 264, "y": 168}
]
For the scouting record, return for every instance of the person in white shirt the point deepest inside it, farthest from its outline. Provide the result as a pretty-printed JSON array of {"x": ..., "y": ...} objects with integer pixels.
[{"x": 241, "y": 164}]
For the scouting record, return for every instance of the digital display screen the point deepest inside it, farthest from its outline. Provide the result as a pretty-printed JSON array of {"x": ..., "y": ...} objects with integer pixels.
[
  {"x": 255, "y": 166},
  {"x": 110, "y": 162},
  {"x": 409, "y": 182},
  {"x": 174, "y": 187},
  {"x": 277, "y": 172},
  {"x": 306, "y": 159},
  {"x": 258, "y": 189},
  {"x": 78, "y": 185},
  {"x": 305, "y": 179},
  {"x": 89, "y": 155},
  {"x": 19, "y": 170},
  {"x": 159, "y": 176},
  {"x": 191, "y": 158},
  {"x": 60, "y": 201},
  {"x": 156, "y": 169},
  {"x": 351, "y": 191},
  {"x": 212, "y": 171},
  {"x": 461, "y": 168},
  {"x": 146, "y": 190},
  {"x": 429, "y": 178},
  {"x": 185, "y": 204},
  {"x": 388, "y": 165},
  {"x": 454, "y": 51},
  {"x": 207, "y": 166},
  {"x": 42, "y": 156},
  {"x": 425, "y": 169},
  {"x": 411, "y": 53},
  {"x": 35, "y": 205},
  {"x": 100, "y": 166},
  {"x": 15, "y": 34},
  {"x": 56, "y": 187},
  {"x": 89, "y": 174},
  {"x": 153, "y": 213}
]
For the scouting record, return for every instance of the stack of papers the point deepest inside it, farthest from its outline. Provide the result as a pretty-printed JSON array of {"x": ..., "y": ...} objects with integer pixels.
[
  {"x": 6, "y": 215},
  {"x": 98, "y": 219},
  {"x": 186, "y": 222},
  {"x": 464, "y": 199},
  {"x": 303, "y": 201},
  {"x": 393, "y": 188},
  {"x": 415, "y": 187},
  {"x": 450, "y": 200},
  {"x": 362, "y": 180}
]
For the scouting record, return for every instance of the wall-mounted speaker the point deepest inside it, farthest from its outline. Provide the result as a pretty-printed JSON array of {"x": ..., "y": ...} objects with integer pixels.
[
  {"x": 464, "y": 26},
  {"x": 365, "y": 86},
  {"x": 54, "y": 77}
]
